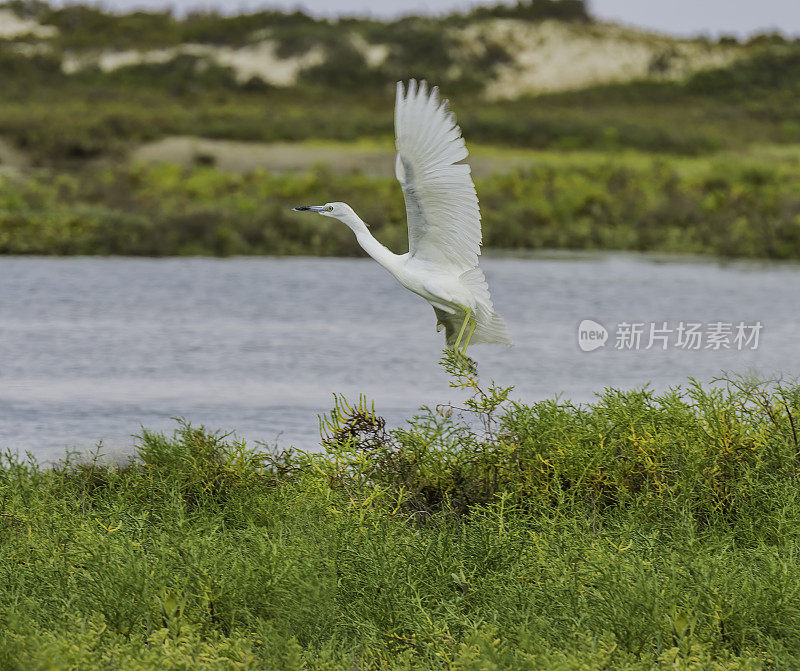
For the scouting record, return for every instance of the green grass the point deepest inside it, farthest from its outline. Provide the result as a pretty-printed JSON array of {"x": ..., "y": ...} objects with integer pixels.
[
  {"x": 642, "y": 531},
  {"x": 61, "y": 119},
  {"x": 731, "y": 204}
]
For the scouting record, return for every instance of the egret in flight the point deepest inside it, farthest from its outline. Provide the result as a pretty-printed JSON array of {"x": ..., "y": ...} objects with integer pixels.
[{"x": 444, "y": 221}]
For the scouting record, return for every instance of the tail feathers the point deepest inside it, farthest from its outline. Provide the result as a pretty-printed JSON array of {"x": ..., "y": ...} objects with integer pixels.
[
  {"x": 492, "y": 330},
  {"x": 491, "y": 326}
]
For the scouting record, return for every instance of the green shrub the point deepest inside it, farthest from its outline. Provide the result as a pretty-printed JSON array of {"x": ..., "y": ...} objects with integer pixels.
[
  {"x": 638, "y": 532},
  {"x": 772, "y": 69},
  {"x": 39, "y": 69},
  {"x": 180, "y": 76},
  {"x": 537, "y": 10},
  {"x": 83, "y": 26},
  {"x": 344, "y": 67},
  {"x": 725, "y": 209}
]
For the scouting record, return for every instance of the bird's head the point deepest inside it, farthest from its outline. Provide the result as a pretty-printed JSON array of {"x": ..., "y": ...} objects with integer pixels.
[{"x": 335, "y": 210}]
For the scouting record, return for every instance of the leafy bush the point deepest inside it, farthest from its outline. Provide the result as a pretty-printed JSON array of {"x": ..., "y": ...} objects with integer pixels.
[
  {"x": 344, "y": 68},
  {"x": 38, "y": 69},
  {"x": 212, "y": 28},
  {"x": 537, "y": 10},
  {"x": 701, "y": 451},
  {"x": 638, "y": 532},
  {"x": 773, "y": 69},
  {"x": 83, "y": 26},
  {"x": 182, "y": 75},
  {"x": 725, "y": 209}
]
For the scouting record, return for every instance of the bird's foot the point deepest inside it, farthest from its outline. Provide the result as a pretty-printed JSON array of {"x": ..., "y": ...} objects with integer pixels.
[{"x": 466, "y": 364}]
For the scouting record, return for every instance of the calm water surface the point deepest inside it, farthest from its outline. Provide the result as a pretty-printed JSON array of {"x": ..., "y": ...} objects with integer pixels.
[{"x": 94, "y": 349}]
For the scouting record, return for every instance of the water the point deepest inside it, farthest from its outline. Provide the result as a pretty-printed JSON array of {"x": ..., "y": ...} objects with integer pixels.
[{"x": 94, "y": 349}]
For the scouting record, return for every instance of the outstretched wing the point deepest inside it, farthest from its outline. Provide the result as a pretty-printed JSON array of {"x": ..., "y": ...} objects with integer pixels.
[{"x": 444, "y": 221}]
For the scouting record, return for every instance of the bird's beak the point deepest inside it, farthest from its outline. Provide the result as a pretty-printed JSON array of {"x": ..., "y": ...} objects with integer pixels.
[{"x": 310, "y": 208}]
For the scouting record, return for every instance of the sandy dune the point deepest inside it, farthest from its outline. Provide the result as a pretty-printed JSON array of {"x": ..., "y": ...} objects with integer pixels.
[
  {"x": 253, "y": 60},
  {"x": 547, "y": 56},
  {"x": 557, "y": 56},
  {"x": 12, "y": 26}
]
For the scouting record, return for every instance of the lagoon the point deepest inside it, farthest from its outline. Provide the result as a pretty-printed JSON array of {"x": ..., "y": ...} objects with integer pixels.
[{"x": 92, "y": 349}]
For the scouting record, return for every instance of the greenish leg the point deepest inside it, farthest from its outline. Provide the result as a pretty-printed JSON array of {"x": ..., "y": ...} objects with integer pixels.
[
  {"x": 472, "y": 326},
  {"x": 463, "y": 326}
]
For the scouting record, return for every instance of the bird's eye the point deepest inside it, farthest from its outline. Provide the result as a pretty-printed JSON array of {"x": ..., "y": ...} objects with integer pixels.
[{"x": 330, "y": 208}]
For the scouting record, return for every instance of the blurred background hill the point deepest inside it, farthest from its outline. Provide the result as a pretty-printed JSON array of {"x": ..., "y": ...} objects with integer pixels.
[{"x": 149, "y": 133}]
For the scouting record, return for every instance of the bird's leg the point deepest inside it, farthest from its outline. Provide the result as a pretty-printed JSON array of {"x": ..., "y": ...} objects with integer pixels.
[
  {"x": 472, "y": 326},
  {"x": 468, "y": 314}
]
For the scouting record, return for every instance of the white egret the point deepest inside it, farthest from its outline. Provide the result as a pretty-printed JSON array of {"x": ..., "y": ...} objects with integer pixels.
[{"x": 444, "y": 221}]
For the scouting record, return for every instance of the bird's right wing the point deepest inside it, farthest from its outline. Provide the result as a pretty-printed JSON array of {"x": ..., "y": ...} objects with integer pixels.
[{"x": 444, "y": 221}]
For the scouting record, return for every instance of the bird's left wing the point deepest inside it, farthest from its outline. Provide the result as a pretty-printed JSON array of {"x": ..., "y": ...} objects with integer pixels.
[{"x": 444, "y": 221}]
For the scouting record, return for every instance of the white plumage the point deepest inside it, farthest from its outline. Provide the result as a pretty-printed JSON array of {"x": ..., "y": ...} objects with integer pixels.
[{"x": 444, "y": 221}]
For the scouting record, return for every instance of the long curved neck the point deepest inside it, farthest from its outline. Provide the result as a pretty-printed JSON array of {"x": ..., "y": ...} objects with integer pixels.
[{"x": 370, "y": 245}]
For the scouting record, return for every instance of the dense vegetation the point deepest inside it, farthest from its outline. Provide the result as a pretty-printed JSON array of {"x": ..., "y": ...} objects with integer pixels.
[
  {"x": 86, "y": 25},
  {"x": 638, "y": 532},
  {"x": 729, "y": 208},
  {"x": 89, "y": 26},
  {"x": 417, "y": 46},
  {"x": 58, "y": 117},
  {"x": 728, "y": 202}
]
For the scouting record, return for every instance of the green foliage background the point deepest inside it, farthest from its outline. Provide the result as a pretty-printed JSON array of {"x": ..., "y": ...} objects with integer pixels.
[
  {"x": 738, "y": 208},
  {"x": 81, "y": 194}
]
